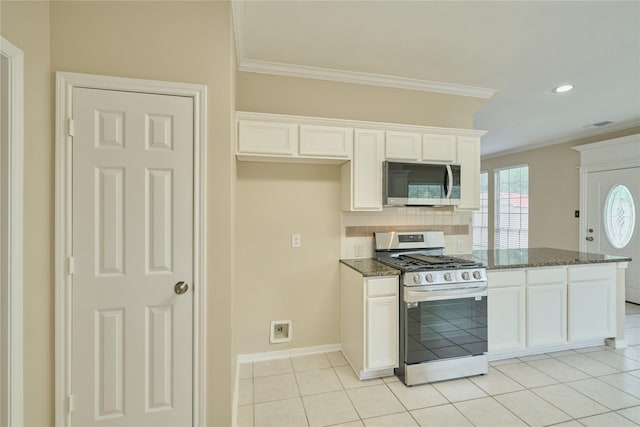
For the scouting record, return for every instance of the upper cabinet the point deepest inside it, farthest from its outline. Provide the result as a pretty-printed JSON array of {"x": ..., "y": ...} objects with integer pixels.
[
  {"x": 326, "y": 141},
  {"x": 439, "y": 148},
  {"x": 360, "y": 147},
  {"x": 266, "y": 138},
  {"x": 403, "y": 146},
  {"x": 468, "y": 156}
]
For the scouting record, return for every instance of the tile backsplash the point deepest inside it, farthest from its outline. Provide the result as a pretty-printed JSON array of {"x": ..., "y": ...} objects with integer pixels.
[{"x": 358, "y": 227}]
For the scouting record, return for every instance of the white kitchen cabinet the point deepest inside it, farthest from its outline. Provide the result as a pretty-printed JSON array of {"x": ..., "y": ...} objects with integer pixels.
[
  {"x": 403, "y": 146},
  {"x": 267, "y": 138},
  {"x": 506, "y": 310},
  {"x": 362, "y": 177},
  {"x": 468, "y": 156},
  {"x": 546, "y": 306},
  {"x": 369, "y": 328},
  {"x": 326, "y": 141},
  {"x": 591, "y": 299},
  {"x": 439, "y": 148}
]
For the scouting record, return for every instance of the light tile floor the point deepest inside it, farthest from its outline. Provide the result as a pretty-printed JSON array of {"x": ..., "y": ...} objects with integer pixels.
[{"x": 595, "y": 386}]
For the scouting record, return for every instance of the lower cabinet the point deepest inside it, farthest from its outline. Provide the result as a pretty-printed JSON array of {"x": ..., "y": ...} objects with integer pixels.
[
  {"x": 550, "y": 308},
  {"x": 369, "y": 335},
  {"x": 506, "y": 310},
  {"x": 592, "y": 302}
]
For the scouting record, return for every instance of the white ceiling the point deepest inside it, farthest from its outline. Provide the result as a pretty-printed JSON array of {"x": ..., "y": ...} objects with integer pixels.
[{"x": 512, "y": 52}]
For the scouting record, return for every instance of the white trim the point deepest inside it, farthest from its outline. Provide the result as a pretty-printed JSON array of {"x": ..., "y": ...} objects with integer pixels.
[
  {"x": 344, "y": 76},
  {"x": 15, "y": 169},
  {"x": 354, "y": 77},
  {"x": 65, "y": 82},
  {"x": 292, "y": 352},
  {"x": 509, "y": 354},
  {"x": 323, "y": 121},
  {"x": 590, "y": 162}
]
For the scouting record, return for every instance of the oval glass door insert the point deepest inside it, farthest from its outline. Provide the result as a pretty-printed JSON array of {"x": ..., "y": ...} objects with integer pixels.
[{"x": 619, "y": 216}]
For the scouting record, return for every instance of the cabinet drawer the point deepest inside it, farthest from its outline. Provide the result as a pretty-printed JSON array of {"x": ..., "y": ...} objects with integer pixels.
[
  {"x": 383, "y": 286},
  {"x": 506, "y": 278},
  {"x": 546, "y": 276},
  {"x": 592, "y": 272}
]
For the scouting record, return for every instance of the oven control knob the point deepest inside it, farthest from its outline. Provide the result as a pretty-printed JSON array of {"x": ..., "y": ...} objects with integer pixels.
[
  {"x": 447, "y": 277},
  {"x": 477, "y": 275},
  {"x": 416, "y": 278},
  {"x": 465, "y": 275},
  {"x": 429, "y": 277}
]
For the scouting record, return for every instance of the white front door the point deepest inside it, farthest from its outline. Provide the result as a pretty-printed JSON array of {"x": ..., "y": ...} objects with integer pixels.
[
  {"x": 132, "y": 239},
  {"x": 613, "y": 220}
]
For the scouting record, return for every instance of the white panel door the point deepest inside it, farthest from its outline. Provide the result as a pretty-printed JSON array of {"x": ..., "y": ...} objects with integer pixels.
[
  {"x": 132, "y": 242},
  {"x": 613, "y": 220}
]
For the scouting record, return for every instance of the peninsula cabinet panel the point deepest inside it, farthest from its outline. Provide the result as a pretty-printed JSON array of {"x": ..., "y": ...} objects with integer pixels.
[
  {"x": 403, "y": 146},
  {"x": 439, "y": 148},
  {"x": 592, "y": 305},
  {"x": 326, "y": 141},
  {"x": 546, "y": 306},
  {"x": 267, "y": 138}
]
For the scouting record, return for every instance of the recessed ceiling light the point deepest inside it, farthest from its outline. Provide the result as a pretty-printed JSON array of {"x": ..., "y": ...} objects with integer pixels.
[{"x": 563, "y": 88}]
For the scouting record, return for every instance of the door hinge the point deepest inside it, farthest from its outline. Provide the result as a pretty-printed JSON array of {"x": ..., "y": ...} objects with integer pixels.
[
  {"x": 72, "y": 265},
  {"x": 70, "y": 127},
  {"x": 70, "y": 403}
]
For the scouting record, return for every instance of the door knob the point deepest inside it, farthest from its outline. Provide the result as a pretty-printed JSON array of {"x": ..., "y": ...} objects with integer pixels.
[
  {"x": 590, "y": 230},
  {"x": 181, "y": 287},
  {"x": 590, "y": 239}
]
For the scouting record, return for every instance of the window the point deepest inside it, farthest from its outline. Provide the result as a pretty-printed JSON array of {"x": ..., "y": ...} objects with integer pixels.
[
  {"x": 512, "y": 207},
  {"x": 481, "y": 217},
  {"x": 619, "y": 216}
]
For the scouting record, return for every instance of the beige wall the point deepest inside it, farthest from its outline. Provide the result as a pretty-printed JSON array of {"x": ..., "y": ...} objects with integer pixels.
[
  {"x": 554, "y": 190},
  {"x": 274, "y": 281},
  {"x": 26, "y": 25},
  {"x": 320, "y": 98},
  {"x": 174, "y": 41}
]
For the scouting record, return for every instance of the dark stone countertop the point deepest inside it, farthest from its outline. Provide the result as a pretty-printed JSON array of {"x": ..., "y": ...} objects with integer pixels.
[
  {"x": 369, "y": 267},
  {"x": 497, "y": 259}
]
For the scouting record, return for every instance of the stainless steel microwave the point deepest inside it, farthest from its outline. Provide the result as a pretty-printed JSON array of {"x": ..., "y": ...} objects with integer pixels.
[{"x": 420, "y": 184}]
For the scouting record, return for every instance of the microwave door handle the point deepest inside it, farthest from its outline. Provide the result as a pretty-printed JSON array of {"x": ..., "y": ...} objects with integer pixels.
[{"x": 449, "y": 182}]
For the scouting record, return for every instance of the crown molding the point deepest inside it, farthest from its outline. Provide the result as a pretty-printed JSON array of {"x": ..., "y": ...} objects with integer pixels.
[{"x": 309, "y": 72}]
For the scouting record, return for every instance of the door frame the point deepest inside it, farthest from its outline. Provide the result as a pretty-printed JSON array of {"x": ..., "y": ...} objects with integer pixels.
[
  {"x": 11, "y": 347},
  {"x": 611, "y": 154},
  {"x": 65, "y": 83}
]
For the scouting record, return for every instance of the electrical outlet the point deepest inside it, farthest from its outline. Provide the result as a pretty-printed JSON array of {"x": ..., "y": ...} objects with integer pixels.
[
  {"x": 296, "y": 241},
  {"x": 460, "y": 246},
  {"x": 357, "y": 250}
]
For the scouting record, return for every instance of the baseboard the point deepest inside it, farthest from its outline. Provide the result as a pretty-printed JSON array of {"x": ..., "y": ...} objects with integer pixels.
[{"x": 292, "y": 352}]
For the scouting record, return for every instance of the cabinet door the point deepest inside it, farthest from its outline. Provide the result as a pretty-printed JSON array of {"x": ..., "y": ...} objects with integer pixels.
[
  {"x": 366, "y": 171},
  {"x": 439, "y": 148},
  {"x": 546, "y": 314},
  {"x": 592, "y": 303},
  {"x": 506, "y": 317},
  {"x": 326, "y": 141},
  {"x": 403, "y": 146},
  {"x": 382, "y": 332},
  {"x": 469, "y": 160},
  {"x": 267, "y": 138}
]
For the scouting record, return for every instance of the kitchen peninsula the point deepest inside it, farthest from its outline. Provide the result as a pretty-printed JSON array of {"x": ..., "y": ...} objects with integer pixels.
[{"x": 544, "y": 299}]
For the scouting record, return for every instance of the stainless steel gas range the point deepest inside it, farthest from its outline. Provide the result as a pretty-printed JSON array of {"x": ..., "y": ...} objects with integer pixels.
[{"x": 443, "y": 308}]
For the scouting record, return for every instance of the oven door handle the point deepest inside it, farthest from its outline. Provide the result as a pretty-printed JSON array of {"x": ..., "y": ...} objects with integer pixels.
[{"x": 427, "y": 295}]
